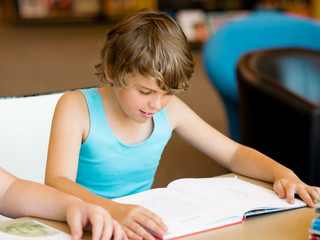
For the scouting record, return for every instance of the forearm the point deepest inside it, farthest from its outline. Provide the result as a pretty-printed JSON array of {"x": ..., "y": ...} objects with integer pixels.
[
  {"x": 68, "y": 186},
  {"x": 252, "y": 163},
  {"x": 25, "y": 198}
]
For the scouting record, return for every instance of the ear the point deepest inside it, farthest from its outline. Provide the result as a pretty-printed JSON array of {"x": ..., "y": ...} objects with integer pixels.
[{"x": 108, "y": 78}]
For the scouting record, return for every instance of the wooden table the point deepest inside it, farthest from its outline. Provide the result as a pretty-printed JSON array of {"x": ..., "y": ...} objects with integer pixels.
[{"x": 286, "y": 225}]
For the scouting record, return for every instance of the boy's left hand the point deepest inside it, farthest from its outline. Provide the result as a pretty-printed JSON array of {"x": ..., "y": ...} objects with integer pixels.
[{"x": 289, "y": 186}]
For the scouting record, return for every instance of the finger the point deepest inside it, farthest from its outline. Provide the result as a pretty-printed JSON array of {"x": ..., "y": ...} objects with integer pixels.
[
  {"x": 290, "y": 192},
  {"x": 75, "y": 225},
  {"x": 317, "y": 190},
  {"x": 117, "y": 231},
  {"x": 124, "y": 235},
  {"x": 305, "y": 196},
  {"x": 314, "y": 193},
  {"x": 156, "y": 219},
  {"x": 107, "y": 228},
  {"x": 96, "y": 223},
  {"x": 151, "y": 225},
  {"x": 279, "y": 189},
  {"x": 141, "y": 231},
  {"x": 130, "y": 234},
  {"x": 107, "y": 233}
]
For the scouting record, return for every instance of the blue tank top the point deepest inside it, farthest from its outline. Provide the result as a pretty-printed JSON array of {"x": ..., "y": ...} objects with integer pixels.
[{"x": 112, "y": 169}]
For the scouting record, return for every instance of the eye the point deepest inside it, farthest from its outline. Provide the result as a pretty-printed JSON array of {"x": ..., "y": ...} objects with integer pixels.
[{"x": 145, "y": 92}]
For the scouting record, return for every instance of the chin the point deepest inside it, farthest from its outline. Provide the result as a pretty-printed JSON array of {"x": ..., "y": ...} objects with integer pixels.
[{"x": 142, "y": 120}]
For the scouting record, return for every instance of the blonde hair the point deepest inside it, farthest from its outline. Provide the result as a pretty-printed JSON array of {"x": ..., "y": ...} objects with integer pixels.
[{"x": 152, "y": 44}]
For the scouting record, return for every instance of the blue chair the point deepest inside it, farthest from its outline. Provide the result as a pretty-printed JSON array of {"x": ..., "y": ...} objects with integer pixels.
[{"x": 258, "y": 30}]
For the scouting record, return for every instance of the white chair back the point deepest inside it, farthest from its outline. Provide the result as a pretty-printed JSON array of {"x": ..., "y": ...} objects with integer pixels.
[{"x": 25, "y": 124}]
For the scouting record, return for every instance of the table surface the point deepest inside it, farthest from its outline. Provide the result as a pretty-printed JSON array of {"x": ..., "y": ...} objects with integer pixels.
[{"x": 285, "y": 225}]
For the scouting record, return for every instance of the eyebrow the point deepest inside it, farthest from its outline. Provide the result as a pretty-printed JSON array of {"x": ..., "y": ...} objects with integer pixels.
[
  {"x": 146, "y": 88},
  {"x": 151, "y": 89}
]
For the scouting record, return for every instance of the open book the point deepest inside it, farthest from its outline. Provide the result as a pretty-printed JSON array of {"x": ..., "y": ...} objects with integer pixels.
[
  {"x": 30, "y": 229},
  {"x": 188, "y": 206}
]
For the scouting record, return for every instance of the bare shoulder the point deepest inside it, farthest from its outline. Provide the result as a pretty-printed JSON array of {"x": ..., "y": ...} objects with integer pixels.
[
  {"x": 73, "y": 102},
  {"x": 72, "y": 110},
  {"x": 72, "y": 97}
]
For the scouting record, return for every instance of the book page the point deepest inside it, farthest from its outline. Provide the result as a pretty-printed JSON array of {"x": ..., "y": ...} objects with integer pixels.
[
  {"x": 180, "y": 213},
  {"x": 30, "y": 230},
  {"x": 233, "y": 194}
]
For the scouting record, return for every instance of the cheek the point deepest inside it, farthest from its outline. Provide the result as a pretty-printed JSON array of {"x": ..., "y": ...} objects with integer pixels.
[
  {"x": 129, "y": 99},
  {"x": 165, "y": 100}
]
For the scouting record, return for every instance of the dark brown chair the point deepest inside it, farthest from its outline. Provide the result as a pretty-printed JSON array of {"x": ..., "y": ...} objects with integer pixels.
[{"x": 279, "y": 97}]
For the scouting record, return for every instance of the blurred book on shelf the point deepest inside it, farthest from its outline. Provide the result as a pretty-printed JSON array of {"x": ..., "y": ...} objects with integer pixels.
[
  {"x": 63, "y": 10},
  {"x": 33, "y": 9},
  {"x": 303, "y": 8},
  {"x": 198, "y": 25},
  {"x": 315, "y": 9},
  {"x": 314, "y": 231},
  {"x": 206, "y": 5},
  {"x": 117, "y": 9}
]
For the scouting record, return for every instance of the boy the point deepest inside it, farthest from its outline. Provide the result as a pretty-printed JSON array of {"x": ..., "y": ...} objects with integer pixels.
[{"x": 107, "y": 142}]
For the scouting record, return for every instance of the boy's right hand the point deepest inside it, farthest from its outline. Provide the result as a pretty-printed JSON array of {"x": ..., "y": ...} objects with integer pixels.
[{"x": 136, "y": 219}]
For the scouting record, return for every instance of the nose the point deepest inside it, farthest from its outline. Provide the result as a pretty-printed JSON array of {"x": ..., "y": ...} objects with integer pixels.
[{"x": 156, "y": 103}]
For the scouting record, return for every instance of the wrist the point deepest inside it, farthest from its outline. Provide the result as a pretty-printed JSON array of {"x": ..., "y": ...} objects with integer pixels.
[{"x": 284, "y": 173}]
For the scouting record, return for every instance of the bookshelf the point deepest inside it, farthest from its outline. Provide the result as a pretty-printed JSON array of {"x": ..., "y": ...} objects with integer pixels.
[
  {"x": 116, "y": 9},
  {"x": 44, "y": 11},
  {"x": 198, "y": 18},
  {"x": 73, "y": 10}
]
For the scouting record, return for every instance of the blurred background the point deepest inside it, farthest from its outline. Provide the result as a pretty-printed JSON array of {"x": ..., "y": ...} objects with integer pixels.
[{"x": 52, "y": 45}]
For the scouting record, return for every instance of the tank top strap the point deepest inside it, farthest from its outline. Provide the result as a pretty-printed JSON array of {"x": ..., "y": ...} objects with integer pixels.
[{"x": 95, "y": 107}]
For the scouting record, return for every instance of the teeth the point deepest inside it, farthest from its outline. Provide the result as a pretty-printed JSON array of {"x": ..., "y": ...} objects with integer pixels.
[{"x": 146, "y": 113}]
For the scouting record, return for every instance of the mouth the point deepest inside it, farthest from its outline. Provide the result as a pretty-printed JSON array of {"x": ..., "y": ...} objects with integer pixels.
[{"x": 146, "y": 114}]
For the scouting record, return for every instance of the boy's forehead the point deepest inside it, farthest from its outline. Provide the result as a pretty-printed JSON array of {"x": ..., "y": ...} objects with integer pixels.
[{"x": 139, "y": 80}]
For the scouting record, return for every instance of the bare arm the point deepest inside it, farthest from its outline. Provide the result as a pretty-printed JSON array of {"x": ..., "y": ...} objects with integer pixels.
[
  {"x": 286, "y": 183},
  {"x": 70, "y": 127},
  {"x": 236, "y": 157},
  {"x": 24, "y": 198}
]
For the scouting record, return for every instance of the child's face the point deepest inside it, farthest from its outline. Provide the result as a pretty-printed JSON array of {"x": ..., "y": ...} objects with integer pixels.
[{"x": 142, "y": 98}]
